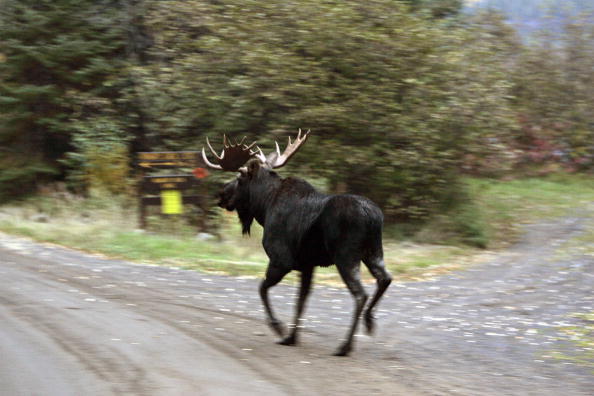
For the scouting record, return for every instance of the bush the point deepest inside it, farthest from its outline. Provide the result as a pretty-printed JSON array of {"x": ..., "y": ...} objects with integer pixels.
[
  {"x": 100, "y": 163},
  {"x": 20, "y": 176}
]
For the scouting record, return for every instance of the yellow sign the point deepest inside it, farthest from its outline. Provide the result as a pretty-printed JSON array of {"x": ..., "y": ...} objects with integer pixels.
[{"x": 171, "y": 202}]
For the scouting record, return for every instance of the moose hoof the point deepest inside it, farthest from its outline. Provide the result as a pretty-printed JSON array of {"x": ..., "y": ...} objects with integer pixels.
[
  {"x": 277, "y": 326},
  {"x": 344, "y": 350},
  {"x": 290, "y": 340}
]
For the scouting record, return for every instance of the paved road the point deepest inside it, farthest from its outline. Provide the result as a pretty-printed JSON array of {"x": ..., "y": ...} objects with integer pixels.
[{"x": 74, "y": 324}]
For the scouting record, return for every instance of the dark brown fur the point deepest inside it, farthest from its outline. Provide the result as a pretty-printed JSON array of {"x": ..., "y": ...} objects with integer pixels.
[{"x": 304, "y": 228}]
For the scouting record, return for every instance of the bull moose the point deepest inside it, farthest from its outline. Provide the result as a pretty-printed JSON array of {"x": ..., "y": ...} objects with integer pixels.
[{"x": 303, "y": 228}]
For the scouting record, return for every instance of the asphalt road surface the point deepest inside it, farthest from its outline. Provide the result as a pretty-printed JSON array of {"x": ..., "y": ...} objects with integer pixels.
[{"x": 74, "y": 324}]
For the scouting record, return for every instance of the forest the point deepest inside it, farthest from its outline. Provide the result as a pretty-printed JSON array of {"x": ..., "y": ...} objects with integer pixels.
[{"x": 404, "y": 98}]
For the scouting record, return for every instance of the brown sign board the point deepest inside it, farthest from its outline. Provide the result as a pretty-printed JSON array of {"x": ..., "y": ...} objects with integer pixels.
[
  {"x": 169, "y": 159},
  {"x": 156, "y": 184},
  {"x": 167, "y": 190}
]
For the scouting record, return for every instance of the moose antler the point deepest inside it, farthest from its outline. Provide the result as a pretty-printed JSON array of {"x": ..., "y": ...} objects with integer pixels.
[
  {"x": 233, "y": 156},
  {"x": 276, "y": 159}
]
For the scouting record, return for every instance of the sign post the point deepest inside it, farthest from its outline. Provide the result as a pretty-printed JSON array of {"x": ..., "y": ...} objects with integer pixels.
[{"x": 168, "y": 190}]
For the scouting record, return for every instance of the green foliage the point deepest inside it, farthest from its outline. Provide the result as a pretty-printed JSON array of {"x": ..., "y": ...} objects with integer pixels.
[
  {"x": 385, "y": 92},
  {"x": 402, "y": 97},
  {"x": 459, "y": 222},
  {"x": 18, "y": 175},
  {"x": 51, "y": 51},
  {"x": 100, "y": 162}
]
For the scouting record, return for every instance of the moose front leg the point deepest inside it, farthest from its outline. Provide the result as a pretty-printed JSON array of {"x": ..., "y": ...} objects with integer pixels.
[
  {"x": 306, "y": 277},
  {"x": 274, "y": 275}
]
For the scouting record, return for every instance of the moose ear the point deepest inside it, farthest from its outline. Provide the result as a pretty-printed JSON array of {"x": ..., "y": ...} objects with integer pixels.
[{"x": 252, "y": 168}]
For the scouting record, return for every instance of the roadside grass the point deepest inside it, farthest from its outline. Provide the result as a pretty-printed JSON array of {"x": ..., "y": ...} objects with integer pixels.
[
  {"x": 507, "y": 205},
  {"x": 112, "y": 232},
  {"x": 109, "y": 227}
]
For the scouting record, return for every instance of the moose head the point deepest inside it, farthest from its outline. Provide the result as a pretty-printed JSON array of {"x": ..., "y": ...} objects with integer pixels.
[{"x": 255, "y": 172}]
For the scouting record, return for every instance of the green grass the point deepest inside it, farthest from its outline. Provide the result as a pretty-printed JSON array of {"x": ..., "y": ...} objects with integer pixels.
[
  {"x": 103, "y": 227},
  {"x": 506, "y": 205},
  {"x": 110, "y": 227},
  {"x": 111, "y": 230}
]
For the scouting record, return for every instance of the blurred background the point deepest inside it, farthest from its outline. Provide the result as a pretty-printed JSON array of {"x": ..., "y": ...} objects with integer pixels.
[{"x": 414, "y": 104}]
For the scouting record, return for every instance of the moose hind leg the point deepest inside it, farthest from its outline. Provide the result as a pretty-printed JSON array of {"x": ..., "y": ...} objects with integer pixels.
[
  {"x": 383, "y": 279},
  {"x": 306, "y": 277},
  {"x": 349, "y": 271},
  {"x": 273, "y": 276}
]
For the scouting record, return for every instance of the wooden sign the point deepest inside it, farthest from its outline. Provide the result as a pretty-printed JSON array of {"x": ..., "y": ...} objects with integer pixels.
[
  {"x": 156, "y": 184},
  {"x": 170, "y": 191},
  {"x": 169, "y": 159}
]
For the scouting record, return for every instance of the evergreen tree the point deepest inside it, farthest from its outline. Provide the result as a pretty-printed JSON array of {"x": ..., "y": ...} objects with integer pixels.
[{"x": 56, "y": 57}]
